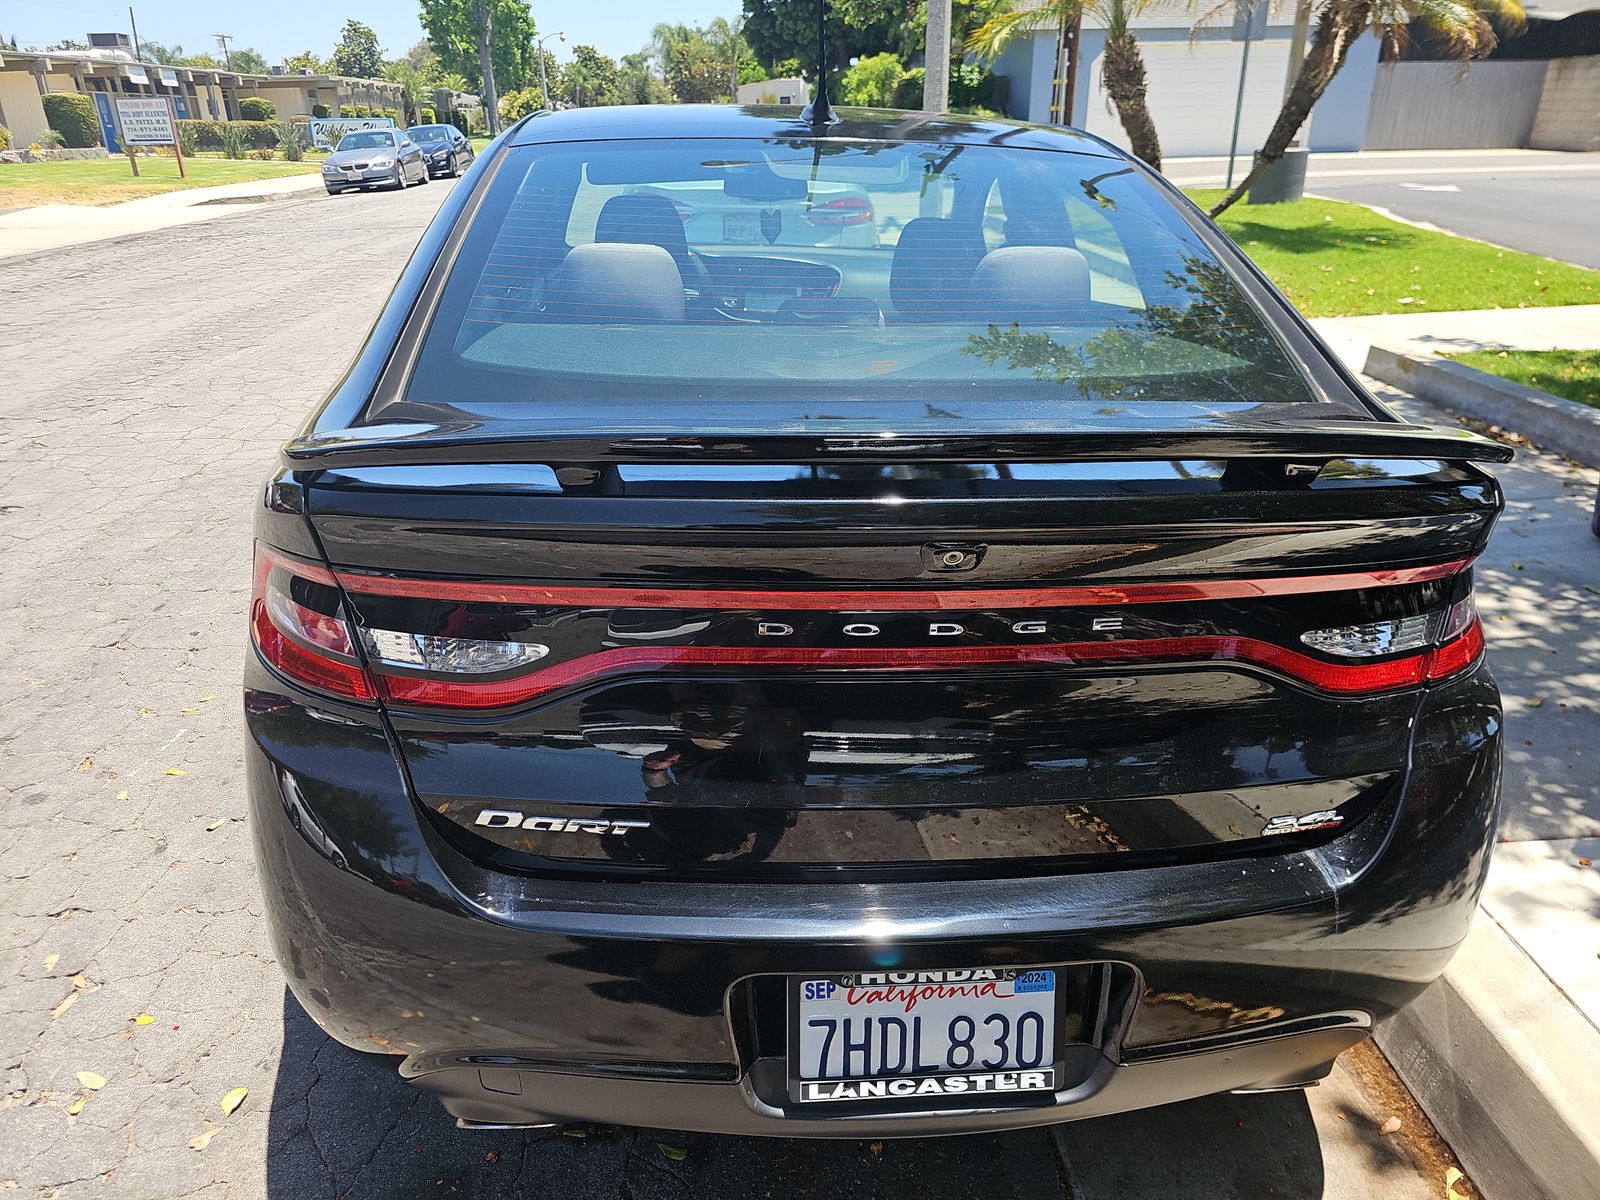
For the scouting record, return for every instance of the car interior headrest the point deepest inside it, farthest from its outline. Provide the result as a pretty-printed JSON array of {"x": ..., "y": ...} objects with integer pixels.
[
  {"x": 932, "y": 266},
  {"x": 1030, "y": 285},
  {"x": 644, "y": 220},
  {"x": 604, "y": 282}
]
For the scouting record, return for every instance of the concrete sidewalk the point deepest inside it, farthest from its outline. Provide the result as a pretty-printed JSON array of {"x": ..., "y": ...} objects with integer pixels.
[
  {"x": 28, "y": 231},
  {"x": 1566, "y": 327},
  {"x": 1370, "y": 164}
]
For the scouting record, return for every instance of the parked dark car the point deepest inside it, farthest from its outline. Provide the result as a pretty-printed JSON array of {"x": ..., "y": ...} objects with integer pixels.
[
  {"x": 373, "y": 158},
  {"x": 445, "y": 148},
  {"x": 1002, "y": 673}
]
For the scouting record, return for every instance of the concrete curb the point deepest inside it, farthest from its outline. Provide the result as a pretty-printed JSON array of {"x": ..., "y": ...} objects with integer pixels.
[
  {"x": 1504, "y": 1066},
  {"x": 1564, "y": 426}
]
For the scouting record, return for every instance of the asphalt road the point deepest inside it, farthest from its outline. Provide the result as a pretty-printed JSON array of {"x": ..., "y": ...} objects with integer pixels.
[
  {"x": 1543, "y": 202},
  {"x": 148, "y": 384}
]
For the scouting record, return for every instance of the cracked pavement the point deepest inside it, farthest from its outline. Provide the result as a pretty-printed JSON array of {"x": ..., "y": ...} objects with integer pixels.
[{"x": 149, "y": 383}]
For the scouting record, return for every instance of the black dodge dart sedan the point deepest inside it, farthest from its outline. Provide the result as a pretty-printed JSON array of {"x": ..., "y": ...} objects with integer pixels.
[{"x": 995, "y": 671}]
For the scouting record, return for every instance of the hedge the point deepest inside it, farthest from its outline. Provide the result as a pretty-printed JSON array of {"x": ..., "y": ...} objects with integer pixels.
[
  {"x": 254, "y": 108},
  {"x": 258, "y": 135},
  {"x": 74, "y": 115},
  {"x": 354, "y": 110},
  {"x": 319, "y": 111},
  {"x": 425, "y": 116}
]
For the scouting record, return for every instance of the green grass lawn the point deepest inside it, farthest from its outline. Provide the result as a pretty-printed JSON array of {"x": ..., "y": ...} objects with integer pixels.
[
  {"x": 1342, "y": 260},
  {"x": 110, "y": 181},
  {"x": 1574, "y": 374}
]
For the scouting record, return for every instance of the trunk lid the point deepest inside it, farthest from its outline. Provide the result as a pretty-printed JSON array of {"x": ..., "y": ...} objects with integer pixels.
[{"x": 796, "y": 658}]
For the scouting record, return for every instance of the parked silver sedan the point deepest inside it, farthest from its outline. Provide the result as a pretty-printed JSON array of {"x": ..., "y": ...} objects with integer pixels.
[{"x": 374, "y": 158}]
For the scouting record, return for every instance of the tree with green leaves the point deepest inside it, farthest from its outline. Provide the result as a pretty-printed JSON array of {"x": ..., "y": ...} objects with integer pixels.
[
  {"x": 591, "y": 79},
  {"x": 453, "y": 26},
  {"x": 781, "y": 29},
  {"x": 413, "y": 88},
  {"x": 250, "y": 60},
  {"x": 871, "y": 82},
  {"x": 305, "y": 61},
  {"x": 1462, "y": 28},
  {"x": 358, "y": 54},
  {"x": 638, "y": 83}
]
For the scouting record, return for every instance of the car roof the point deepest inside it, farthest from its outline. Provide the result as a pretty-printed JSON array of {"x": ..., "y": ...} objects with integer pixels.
[{"x": 780, "y": 121}]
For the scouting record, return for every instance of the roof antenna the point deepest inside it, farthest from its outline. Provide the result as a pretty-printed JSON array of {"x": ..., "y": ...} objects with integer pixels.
[{"x": 819, "y": 113}]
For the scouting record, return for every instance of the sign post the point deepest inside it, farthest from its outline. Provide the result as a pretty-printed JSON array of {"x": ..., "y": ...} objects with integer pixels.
[
  {"x": 149, "y": 121},
  {"x": 1249, "y": 24}
]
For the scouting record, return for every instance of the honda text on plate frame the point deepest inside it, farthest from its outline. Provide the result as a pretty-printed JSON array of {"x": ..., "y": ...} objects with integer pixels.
[{"x": 868, "y": 630}]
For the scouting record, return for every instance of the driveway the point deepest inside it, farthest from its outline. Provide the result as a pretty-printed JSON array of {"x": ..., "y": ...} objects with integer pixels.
[
  {"x": 1541, "y": 201},
  {"x": 149, "y": 383}
]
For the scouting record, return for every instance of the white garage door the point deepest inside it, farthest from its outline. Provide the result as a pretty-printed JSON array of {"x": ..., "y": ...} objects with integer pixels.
[{"x": 1192, "y": 87}]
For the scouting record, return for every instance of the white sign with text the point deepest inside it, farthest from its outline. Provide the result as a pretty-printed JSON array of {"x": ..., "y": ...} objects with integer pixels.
[
  {"x": 326, "y": 131},
  {"x": 146, "y": 121}
]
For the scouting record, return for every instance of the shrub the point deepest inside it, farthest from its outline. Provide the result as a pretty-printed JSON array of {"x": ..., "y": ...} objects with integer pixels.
[
  {"x": 291, "y": 140},
  {"x": 233, "y": 140},
  {"x": 871, "y": 82},
  {"x": 354, "y": 110},
  {"x": 264, "y": 153},
  {"x": 319, "y": 111},
  {"x": 188, "y": 137},
  {"x": 255, "y": 134},
  {"x": 5, "y": 138},
  {"x": 516, "y": 105},
  {"x": 971, "y": 87},
  {"x": 254, "y": 108},
  {"x": 425, "y": 116},
  {"x": 53, "y": 139},
  {"x": 392, "y": 113},
  {"x": 74, "y": 115},
  {"x": 458, "y": 118},
  {"x": 908, "y": 90}
]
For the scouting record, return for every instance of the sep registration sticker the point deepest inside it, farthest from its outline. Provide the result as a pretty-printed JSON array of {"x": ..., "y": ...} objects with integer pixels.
[{"x": 891, "y": 1035}]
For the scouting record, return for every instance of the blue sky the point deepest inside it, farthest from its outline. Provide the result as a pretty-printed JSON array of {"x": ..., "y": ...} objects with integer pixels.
[{"x": 282, "y": 27}]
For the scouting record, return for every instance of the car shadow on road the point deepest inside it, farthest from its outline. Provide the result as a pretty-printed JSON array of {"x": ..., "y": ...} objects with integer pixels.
[{"x": 344, "y": 1124}]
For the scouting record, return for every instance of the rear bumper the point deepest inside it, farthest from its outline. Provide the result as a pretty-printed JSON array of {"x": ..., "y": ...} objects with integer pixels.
[{"x": 522, "y": 1000}]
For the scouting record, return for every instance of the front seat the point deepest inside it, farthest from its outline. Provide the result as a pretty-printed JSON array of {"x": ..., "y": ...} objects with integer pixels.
[
  {"x": 932, "y": 268},
  {"x": 642, "y": 219},
  {"x": 606, "y": 283},
  {"x": 1030, "y": 285}
]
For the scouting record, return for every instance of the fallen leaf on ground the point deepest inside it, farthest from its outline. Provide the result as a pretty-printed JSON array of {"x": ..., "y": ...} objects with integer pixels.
[
  {"x": 231, "y": 1102},
  {"x": 201, "y": 1140},
  {"x": 87, "y": 764},
  {"x": 491, "y": 1157},
  {"x": 1535, "y": 701},
  {"x": 675, "y": 1153},
  {"x": 207, "y": 699},
  {"x": 50, "y": 961},
  {"x": 215, "y": 825},
  {"x": 876, "y": 1148},
  {"x": 1584, "y": 862},
  {"x": 176, "y": 771},
  {"x": 191, "y": 708},
  {"x": 1392, "y": 1125},
  {"x": 1453, "y": 1176},
  {"x": 91, "y": 1081},
  {"x": 76, "y": 1106},
  {"x": 144, "y": 1019},
  {"x": 577, "y": 1133},
  {"x": 79, "y": 986},
  {"x": 147, "y": 712},
  {"x": 122, "y": 795}
]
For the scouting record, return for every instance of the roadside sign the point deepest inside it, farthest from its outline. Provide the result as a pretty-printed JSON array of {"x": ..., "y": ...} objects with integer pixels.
[
  {"x": 326, "y": 131},
  {"x": 146, "y": 121},
  {"x": 149, "y": 121}
]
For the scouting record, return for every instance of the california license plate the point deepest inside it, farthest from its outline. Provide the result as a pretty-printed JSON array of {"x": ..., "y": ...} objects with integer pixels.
[
  {"x": 977, "y": 1035},
  {"x": 741, "y": 228}
]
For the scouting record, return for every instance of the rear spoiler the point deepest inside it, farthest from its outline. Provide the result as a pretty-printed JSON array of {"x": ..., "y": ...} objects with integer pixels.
[{"x": 390, "y": 445}]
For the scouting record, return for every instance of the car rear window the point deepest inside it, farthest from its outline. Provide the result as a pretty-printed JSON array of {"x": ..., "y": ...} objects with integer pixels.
[{"x": 817, "y": 282}]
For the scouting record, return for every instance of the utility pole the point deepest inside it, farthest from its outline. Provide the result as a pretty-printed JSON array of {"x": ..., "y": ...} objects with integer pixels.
[
  {"x": 222, "y": 40},
  {"x": 134, "y": 25},
  {"x": 480, "y": 10},
  {"x": 936, "y": 60}
]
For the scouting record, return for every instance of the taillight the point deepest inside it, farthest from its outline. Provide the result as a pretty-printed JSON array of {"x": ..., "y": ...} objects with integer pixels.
[
  {"x": 846, "y": 210},
  {"x": 297, "y": 621},
  {"x": 1450, "y": 641}
]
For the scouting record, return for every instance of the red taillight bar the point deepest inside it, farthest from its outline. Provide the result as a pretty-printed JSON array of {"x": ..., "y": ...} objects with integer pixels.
[
  {"x": 1077, "y": 596},
  {"x": 1340, "y": 678},
  {"x": 302, "y": 664}
]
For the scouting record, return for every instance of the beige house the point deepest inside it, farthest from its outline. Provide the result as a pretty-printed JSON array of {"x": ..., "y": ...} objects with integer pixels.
[
  {"x": 199, "y": 93},
  {"x": 774, "y": 91}
]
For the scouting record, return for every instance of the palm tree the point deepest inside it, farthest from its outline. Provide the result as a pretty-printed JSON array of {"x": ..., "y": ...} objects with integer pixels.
[
  {"x": 1464, "y": 32},
  {"x": 666, "y": 37},
  {"x": 412, "y": 86},
  {"x": 1123, "y": 64}
]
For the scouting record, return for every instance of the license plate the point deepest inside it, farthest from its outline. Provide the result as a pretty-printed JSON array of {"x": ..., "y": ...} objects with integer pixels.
[
  {"x": 973, "y": 1035},
  {"x": 741, "y": 227}
]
